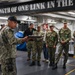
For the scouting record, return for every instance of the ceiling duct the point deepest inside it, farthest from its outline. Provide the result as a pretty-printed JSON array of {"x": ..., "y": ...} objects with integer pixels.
[{"x": 6, "y": 1}]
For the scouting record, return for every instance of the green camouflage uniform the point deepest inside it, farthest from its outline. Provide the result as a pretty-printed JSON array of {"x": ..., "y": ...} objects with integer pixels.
[
  {"x": 51, "y": 40},
  {"x": 37, "y": 46},
  {"x": 74, "y": 42},
  {"x": 64, "y": 35},
  {"x": 8, "y": 51},
  {"x": 29, "y": 47}
]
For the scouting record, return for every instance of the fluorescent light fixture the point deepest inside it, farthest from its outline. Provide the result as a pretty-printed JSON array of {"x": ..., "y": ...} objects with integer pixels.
[
  {"x": 71, "y": 13},
  {"x": 24, "y": 0},
  {"x": 31, "y": 20},
  {"x": 26, "y": 18},
  {"x": 65, "y": 13},
  {"x": 51, "y": 22},
  {"x": 22, "y": 17},
  {"x": 5, "y": 18},
  {"x": 58, "y": 16}
]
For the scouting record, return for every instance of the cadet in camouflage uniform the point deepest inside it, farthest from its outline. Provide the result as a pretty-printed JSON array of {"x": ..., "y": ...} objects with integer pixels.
[
  {"x": 51, "y": 41},
  {"x": 64, "y": 38},
  {"x": 37, "y": 47},
  {"x": 7, "y": 47}
]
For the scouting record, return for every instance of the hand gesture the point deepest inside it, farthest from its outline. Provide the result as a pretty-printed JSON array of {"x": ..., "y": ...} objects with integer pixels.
[{"x": 25, "y": 38}]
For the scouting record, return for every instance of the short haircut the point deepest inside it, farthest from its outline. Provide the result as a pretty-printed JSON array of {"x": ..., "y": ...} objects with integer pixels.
[
  {"x": 65, "y": 22},
  {"x": 31, "y": 24}
]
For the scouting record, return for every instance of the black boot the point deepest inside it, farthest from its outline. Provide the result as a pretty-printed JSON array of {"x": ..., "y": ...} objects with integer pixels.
[
  {"x": 0, "y": 67},
  {"x": 50, "y": 64},
  {"x": 53, "y": 62},
  {"x": 32, "y": 64},
  {"x": 54, "y": 66},
  {"x": 38, "y": 63},
  {"x": 64, "y": 66}
]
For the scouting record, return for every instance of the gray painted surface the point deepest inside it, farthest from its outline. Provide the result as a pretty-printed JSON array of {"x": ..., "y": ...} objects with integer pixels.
[{"x": 23, "y": 67}]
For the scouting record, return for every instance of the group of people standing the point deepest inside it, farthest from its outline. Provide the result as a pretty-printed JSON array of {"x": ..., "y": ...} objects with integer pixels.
[{"x": 48, "y": 43}]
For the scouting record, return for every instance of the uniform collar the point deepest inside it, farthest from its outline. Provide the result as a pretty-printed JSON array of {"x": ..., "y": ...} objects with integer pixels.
[{"x": 10, "y": 28}]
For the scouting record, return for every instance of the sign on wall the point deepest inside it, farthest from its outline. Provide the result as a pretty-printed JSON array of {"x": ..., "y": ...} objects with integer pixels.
[{"x": 38, "y": 7}]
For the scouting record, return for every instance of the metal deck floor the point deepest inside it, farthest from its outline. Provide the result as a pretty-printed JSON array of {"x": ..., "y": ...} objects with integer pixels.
[{"x": 23, "y": 67}]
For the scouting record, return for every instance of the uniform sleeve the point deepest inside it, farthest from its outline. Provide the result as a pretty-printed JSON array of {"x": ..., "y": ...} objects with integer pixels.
[
  {"x": 56, "y": 39},
  {"x": 69, "y": 36},
  {"x": 24, "y": 33},
  {"x": 9, "y": 36},
  {"x": 42, "y": 34}
]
